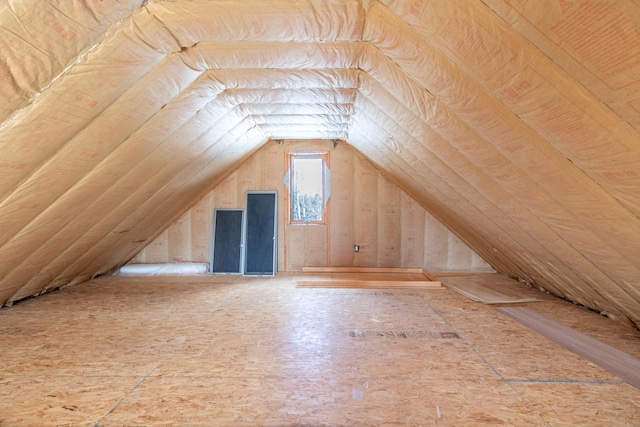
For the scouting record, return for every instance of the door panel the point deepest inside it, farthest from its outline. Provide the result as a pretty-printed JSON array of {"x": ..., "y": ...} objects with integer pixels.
[
  {"x": 260, "y": 245},
  {"x": 227, "y": 241}
]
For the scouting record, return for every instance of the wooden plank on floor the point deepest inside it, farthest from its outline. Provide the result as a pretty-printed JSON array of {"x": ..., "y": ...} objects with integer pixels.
[
  {"x": 613, "y": 360},
  {"x": 430, "y": 276},
  {"x": 362, "y": 270},
  {"x": 489, "y": 288},
  {"x": 370, "y": 284}
]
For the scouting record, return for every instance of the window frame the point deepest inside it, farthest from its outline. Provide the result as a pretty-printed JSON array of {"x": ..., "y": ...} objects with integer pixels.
[{"x": 322, "y": 155}]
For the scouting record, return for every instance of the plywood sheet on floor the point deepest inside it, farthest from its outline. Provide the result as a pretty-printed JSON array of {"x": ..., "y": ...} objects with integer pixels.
[
  {"x": 369, "y": 284},
  {"x": 424, "y": 274},
  {"x": 231, "y": 350},
  {"x": 489, "y": 288},
  {"x": 361, "y": 270}
]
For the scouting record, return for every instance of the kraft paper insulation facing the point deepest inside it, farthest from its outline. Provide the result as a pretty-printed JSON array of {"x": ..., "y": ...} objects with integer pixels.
[{"x": 514, "y": 124}]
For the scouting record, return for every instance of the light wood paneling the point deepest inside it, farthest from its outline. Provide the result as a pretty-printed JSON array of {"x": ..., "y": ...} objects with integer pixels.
[
  {"x": 343, "y": 191},
  {"x": 412, "y": 225},
  {"x": 366, "y": 212},
  {"x": 201, "y": 230},
  {"x": 365, "y": 208}
]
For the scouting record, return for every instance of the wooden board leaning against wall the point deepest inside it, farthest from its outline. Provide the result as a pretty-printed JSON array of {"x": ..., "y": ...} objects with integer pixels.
[{"x": 364, "y": 208}]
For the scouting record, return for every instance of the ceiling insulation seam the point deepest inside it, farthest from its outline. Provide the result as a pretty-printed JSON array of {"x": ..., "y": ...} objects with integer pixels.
[
  {"x": 272, "y": 78},
  {"x": 475, "y": 178},
  {"x": 128, "y": 183},
  {"x": 322, "y": 96},
  {"x": 300, "y": 131},
  {"x": 321, "y": 109},
  {"x": 619, "y": 21},
  {"x": 65, "y": 170},
  {"x": 277, "y": 20},
  {"x": 109, "y": 222},
  {"x": 299, "y": 119},
  {"x": 77, "y": 96},
  {"x": 26, "y": 26},
  {"x": 523, "y": 130},
  {"x": 542, "y": 211},
  {"x": 280, "y": 56},
  {"x": 618, "y": 129},
  {"x": 561, "y": 89}
]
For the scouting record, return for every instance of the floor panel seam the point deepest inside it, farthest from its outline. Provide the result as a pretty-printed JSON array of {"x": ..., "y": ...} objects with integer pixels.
[{"x": 134, "y": 388}]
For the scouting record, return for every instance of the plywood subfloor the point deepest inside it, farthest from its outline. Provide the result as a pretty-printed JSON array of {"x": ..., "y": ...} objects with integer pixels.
[
  {"x": 229, "y": 350},
  {"x": 490, "y": 288}
]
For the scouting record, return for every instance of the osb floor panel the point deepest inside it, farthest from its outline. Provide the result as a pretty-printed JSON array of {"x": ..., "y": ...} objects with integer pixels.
[{"x": 229, "y": 350}]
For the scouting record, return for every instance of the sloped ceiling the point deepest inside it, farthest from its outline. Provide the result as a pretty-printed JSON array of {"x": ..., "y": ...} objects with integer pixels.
[{"x": 516, "y": 123}]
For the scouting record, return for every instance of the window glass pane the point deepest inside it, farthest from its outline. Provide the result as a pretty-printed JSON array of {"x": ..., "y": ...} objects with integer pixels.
[{"x": 308, "y": 191}]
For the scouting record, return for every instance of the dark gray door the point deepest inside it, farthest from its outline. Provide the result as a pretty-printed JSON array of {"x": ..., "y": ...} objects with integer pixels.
[
  {"x": 260, "y": 244},
  {"x": 227, "y": 241}
]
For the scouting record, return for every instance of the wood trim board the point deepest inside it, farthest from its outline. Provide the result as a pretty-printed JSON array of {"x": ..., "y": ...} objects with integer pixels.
[
  {"x": 362, "y": 270},
  {"x": 489, "y": 288},
  {"x": 613, "y": 360},
  {"x": 411, "y": 270},
  {"x": 370, "y": 284}
]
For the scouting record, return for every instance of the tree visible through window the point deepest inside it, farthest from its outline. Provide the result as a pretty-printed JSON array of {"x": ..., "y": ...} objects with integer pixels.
[{"x": 307, "y": 188}]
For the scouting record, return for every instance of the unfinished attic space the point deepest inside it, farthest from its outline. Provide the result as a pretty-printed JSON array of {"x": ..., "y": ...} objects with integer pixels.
[{"x": 319, "y": 212}]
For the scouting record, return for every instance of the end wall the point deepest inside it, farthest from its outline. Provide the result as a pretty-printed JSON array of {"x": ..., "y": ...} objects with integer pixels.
[{"x": 365, "y": 208}]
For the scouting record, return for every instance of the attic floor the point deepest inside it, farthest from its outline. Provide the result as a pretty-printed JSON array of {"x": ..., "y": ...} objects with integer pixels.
[{"x": 230, "y": 350}]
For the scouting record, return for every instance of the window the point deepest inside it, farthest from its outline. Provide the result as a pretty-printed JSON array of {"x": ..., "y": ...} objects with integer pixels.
[{"x": 308, "y": 182}]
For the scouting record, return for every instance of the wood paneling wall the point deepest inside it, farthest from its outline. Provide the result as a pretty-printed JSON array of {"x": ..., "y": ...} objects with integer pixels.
[{"x": 365, "y": 208}]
